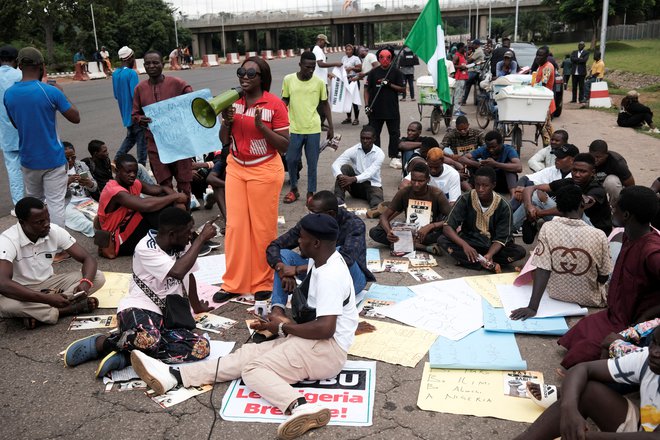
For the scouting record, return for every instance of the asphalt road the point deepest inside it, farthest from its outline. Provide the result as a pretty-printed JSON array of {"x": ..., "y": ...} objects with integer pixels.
[{"x": 42, "y": 399}]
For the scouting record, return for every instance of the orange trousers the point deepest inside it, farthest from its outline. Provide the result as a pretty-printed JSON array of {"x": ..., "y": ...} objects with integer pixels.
[{"x": 252, "y": 198}]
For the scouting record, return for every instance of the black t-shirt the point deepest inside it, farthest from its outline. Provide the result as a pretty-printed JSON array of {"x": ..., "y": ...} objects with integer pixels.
[
  {"x": 614, "y": 164},
  {"x": 386, "y": 105},
  {"x": 427, "y": 143},
  {"x": 600, "y": 214},
  {"x": 434, "y": 195}
]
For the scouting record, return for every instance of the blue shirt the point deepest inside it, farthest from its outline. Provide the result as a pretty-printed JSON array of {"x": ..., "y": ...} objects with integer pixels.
[
  {"x": 124, "y": 81},
  {"x": 8, "y": 133},
  {"x": 507, "y": 153},
  {"x": 33, "y": 106}
]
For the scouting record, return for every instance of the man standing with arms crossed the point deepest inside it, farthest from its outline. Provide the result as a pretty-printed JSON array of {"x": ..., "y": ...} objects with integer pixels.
[
  {"x": 32, "y": 107},
  {"x": 124, "y": 81}
]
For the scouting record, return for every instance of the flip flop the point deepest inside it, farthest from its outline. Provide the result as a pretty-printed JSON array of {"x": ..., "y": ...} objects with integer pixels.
[
  {"x": 548, "y": 395},
  {"x": 86, "y": 305},
  {"x": 81, "y": 351},
  {"x": 291, "y": 197},
  {"x": 29, "y": 323}
]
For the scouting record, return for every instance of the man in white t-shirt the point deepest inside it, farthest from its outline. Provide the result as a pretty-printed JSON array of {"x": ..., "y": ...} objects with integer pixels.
[
  {"x": 313, "y": 347},
  {"x": 163, "y": 264},
  {"x": 322, "y": 68},
  {"x": 585, "y": 394},
  {"x": 445, "y": 178}
]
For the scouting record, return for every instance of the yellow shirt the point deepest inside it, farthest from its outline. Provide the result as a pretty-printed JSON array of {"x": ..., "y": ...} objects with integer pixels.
[{"x": 598, "y": 69}]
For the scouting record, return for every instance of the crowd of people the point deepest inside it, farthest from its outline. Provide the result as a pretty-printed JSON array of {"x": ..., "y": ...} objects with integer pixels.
[{"x": 463, "y": 197}]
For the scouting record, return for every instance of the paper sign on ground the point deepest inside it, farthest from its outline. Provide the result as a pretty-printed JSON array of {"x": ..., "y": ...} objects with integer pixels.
[
  {"x": 514, "y": 297},
  {"x": 424, "y": 274},
  {"x": 205, "y": 292},
  {"x": 115, "y": 287},
  {"x": 96, "y": 321},
  {"x": 480, "y": 350},
  {"x": 395, "y": 266},
  {"x": 177, "y": 395},
  {"x": 349, "y": 396},
  {"x": 358, "y": 211},
  {"x": 393, "y": 343},
  {"x": 514, "y": 383},
  {"x": 447, "y": 308},
  {"x": 177, "y": 133},
  {"x": 484, "y": 285},
  {"x": 131, "y": 385},
  {"x": 473, "y": 392},
  {"x": 213, "y": 323},
  {"x": 211, "y": 269},
  {"x": 389, "y": 293},
  {"x": 496, "y": 320},
  {"x": 373, "y": 260},
  {"x": 422, "y": 260}
]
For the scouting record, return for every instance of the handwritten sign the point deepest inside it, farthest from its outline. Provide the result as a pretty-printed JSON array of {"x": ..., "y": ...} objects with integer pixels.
[
  {"x": 176, "y": 132},
  {"x": 475, "y": 393},
  {"x": 496, "y": 320},
  {"x": 484, "y": 285}
]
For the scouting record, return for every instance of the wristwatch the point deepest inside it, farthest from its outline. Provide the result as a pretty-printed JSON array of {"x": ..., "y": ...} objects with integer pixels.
[{"x": 280, "y": 330}]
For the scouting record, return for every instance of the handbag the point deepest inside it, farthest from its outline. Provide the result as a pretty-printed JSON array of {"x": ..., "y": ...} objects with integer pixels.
[
  {"x": 301, "y": 312},
  {"x": 175, "y": 308}
]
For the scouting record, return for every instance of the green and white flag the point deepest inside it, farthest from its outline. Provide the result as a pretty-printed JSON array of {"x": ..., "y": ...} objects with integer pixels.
[{"x": 427, "y": 40}]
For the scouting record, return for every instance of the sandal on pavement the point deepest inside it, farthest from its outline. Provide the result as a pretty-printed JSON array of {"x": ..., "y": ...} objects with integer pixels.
[
  {"x": 221, "y": 296},
  {"x": 291, "y": 197},
  {"x": 346, "y": 121},
  {"x": 85, "y": 305},
  {"x": 29, "y": 323},
  {"x": 81, "y": 351},
  {"x": 356, "y": 122}
]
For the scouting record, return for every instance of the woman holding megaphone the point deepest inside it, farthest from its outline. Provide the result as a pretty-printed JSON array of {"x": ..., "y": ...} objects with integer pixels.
[{"x": 256, "y": 129}]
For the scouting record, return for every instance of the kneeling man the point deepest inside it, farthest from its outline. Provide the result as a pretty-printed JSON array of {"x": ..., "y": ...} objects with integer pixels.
[{"x": 313, "y": 347}]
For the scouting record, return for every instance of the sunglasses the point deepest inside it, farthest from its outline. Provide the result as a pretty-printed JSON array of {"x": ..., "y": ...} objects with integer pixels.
[{"x": 250, "y": 73}]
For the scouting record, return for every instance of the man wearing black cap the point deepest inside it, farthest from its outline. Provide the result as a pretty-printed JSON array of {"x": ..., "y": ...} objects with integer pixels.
[
  {"x": 9, "y": 75},
  {"x": 32, "y": 107},
  {"x": 313, "y": 346},
  {"x": 506, "y": 66},
  {"x": 498, "y": 55}
]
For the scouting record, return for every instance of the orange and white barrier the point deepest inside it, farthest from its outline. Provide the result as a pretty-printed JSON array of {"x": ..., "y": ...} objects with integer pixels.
[
  {"x": 267, "y": 55},
  {"x": 232, "y": 58},
  {"x": 250, "y": 54},
  {"x": 599, "y": 95},
  {"x": 289, "y": 53},
  {"x": 209, "y": 60},
  {"x": 94, "y": 71},
  {"x": 281, "y": 53},
  {"x": 139, "y": 66}
]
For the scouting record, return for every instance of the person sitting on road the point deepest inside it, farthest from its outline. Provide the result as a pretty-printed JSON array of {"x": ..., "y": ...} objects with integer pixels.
[
  {"x": 462, "y": 139},
  {"x": 612, "y": 170},
  {"x": 445, "y": 178},
  {"x": 483, "y": 218},
  {"x": 126, "y": 217},
  {"x": 357, "y": 170},
  {"x": 419, "y": 200},
  {"x": 633, "y": 113},
  {"x": 583, "y": 280},
  {"x": 544, "y": 157},
  {"x": 502, "y": 158},
  {"x": 507, "y": 66},
  {"x": 415, "y": 145},
  {"x": 163, "y": 264},
  {"x": 29, "y": 289},
  {"x": 81, "y": 188},
  {"x": 99, "y": 164},
  {"x": 313, "y": 347},
  {"x": 351, "y": 244}
]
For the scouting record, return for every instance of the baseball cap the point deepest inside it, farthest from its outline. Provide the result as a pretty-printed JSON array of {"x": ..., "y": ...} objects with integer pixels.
[
  {"x": 565, "y": 150},
  {"x": 30, "y": 56},
  {"x": 8, "y": 52},
  {"x": 508, "y": 54},
  {"x": 125, "y": 53},
  {"x": 322, "y": 37},
  {"x": 477, "y": 42}
]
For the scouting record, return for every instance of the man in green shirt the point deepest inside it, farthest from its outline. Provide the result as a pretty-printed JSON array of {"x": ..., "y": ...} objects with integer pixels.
[{"x": 302, "y": 92}]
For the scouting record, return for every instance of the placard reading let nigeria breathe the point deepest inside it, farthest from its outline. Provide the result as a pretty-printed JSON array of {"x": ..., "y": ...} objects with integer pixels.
[{"x": 177, "y": 133}]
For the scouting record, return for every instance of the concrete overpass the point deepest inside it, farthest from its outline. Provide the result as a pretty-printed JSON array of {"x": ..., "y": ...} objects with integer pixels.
[{"x": 349, "y": 25}]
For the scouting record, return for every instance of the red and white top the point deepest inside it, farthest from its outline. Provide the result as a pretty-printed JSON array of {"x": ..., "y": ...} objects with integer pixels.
[{"x": 248, "y": 144}]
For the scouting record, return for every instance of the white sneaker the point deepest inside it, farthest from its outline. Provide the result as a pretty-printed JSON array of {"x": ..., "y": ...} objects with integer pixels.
[
  {"x": 396, "y": 163},
  {"x": 302, "y": 419},
  {"x": 155, "y": 373},
  {"x": 655, "y": 131}
]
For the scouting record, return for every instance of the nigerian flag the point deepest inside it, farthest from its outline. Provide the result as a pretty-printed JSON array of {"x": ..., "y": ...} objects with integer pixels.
[{"x": 427, "y": 40}]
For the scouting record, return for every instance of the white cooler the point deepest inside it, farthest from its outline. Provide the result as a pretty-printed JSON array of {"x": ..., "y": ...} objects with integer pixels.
[
  {"x": 427, "y": 92},
  {"x": 524, "y": 103},
  {"x": 511, "y": 80}
]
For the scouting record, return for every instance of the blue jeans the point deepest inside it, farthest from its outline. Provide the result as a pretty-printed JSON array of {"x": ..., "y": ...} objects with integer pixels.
[
  {"x": 311, "y": 143},
  {"x": 134, "y": 134},
  {"x": 291, "y": 258},
  {"x": 520, "y": 214},
  {"x": 15, "y": 175}
]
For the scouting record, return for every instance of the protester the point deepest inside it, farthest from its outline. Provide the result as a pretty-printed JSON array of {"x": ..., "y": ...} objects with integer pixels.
[
  {"x": 475, "y": 59},
  {"x": 353, "y": 66},
  {"x": 80, "y": 60},
  {"x": 635, "y": 114},
  {"x": 544, "y": 158},
  {"x": 315, "y": 346},
  {"x": 81, "y": 187},
  {"x": 321, "y": 71},
  {"x": 124, "y": 81},
  {"x": 483, "y": 218},
  {"x": 408, "y": 200},
  {"x": 443, "y": 177},
  {"x": 163, "y": 265},
  {"x": 30, "y": 289},
  {"x": 407, "y": 62},
  {"x": 124, "y": 215},
  {"x": 9, "y": 75},
  {"x": 507, "y": 66},
  {"x": 107, "y": 63},
  {"x": 303, "y": 93},
  {"x": 498, "y": 55},
  {"x": 384, "y": 83},
  {"x": 545, "y": 76},
  {"x": 462, "y": 139},
  {"x": 566, "y": 68},
  {"x": 369, "y": 62},
  {"x": 357, "y": 170},
  {"x": 32, "y": 107},
  {"x": 612, "y": 170},
  {"x": 289, "y": 265},
  {"x": 596, "y": 74},
  {"x": 565, "y": 238},
  {"x": 217, "y": 178},
  {"x": 414, "y": 144},
  {"x": 461, "y": 76},
  {"x": 99, "y": 163},
  {"x": 502, "y": 158},
  {"x": 257, "y": 128},
  {"x": 155, "y": 89},
  {"x": 579, "y": 60}
]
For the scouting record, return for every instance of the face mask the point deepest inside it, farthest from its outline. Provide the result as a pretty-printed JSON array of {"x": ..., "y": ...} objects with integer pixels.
[{"x": 385, "y": 59}]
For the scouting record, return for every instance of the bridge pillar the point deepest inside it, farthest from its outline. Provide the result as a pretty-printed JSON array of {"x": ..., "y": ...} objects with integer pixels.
[
  {"x": 370, "y": 35},
  {"x": 482, "y": 27},
  {"x": 195, "y": 44},
  {"x": 250, "y": 38},
  {"x": 271, "y": 40},
  {"x": 359, "y": 34}
]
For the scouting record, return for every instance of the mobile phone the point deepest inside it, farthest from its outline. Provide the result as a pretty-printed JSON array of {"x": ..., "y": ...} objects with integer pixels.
[
  {"x": 260, "y": 318},
  {"x": 78, "y": 294},
  {"x": 84, "y": 175}
]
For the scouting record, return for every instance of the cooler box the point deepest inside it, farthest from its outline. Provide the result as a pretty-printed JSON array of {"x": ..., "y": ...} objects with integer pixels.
[
  {"x": 524, "y": 103},
  {"x": 511, "y": 80},
  {"x": 427, "y": 91}
]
